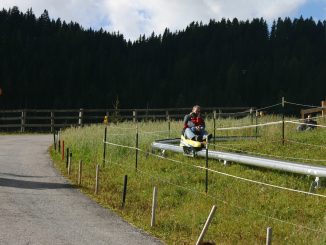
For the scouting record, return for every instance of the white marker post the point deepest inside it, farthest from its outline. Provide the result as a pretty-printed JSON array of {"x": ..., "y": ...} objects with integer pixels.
[
  {"x": 96, "y": 179},
  {"x": 208, "y": 221},
  {"x": 269, "y": 236},
  {"x": 80, "y": 170},
  {"x": 154, "y": 206},
  {"x": 69, "y": 163}
]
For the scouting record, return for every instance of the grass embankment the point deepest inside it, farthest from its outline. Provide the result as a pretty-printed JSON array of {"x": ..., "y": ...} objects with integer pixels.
[{"x": 245, "y": 209}]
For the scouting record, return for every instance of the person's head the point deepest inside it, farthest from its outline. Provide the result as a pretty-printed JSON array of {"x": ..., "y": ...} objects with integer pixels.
[{"x": 196, "y": 110}]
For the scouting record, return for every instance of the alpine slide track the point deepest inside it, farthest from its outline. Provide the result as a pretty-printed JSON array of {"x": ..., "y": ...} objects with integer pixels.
[{"x": 286, "y": 166}]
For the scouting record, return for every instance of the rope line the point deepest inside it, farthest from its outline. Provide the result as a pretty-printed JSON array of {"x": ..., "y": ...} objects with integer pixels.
[
  {"x": 256, "y": 142},
  {"x": 308, "y": 124},
  {"x": 160, "y": 179},
  {"x": 234, "y": 113},
  {"x": 244, "y": 179},
  {"x": 118, "y": 145},
  {"x": 221, "y": 173},
  {"x": 142, "y": 132},
  {"x": 298, "y": 104},
  {"x": 250, "y": 126},
  {"x": 268, "y": 124},
  {"x": 262, "y": 183},
  {"x": 267, "y": 107},
  {"x": 244, "y": 124},
  {"x": 221, "y": 200}
]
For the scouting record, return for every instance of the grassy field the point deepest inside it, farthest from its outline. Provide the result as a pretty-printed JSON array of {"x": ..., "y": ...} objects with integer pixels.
[{"x": 244, "y": 209}]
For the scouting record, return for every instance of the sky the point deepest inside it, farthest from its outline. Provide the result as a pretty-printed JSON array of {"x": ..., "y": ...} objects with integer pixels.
[{"x": 133, "y": 18}]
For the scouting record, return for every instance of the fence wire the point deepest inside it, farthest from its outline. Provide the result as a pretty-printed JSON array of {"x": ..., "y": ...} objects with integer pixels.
[
  {"x": 215, "y": 171},
  {"x": 216, "y": 198}
]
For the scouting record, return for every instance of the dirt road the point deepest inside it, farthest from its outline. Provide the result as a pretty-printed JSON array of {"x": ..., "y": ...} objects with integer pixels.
[{"x": 38, "y": 206}]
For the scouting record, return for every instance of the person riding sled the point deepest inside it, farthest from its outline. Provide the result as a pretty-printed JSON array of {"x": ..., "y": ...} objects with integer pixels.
[
  {"x": 308, "y": 124},
  {"x": 194, "y": 126}
]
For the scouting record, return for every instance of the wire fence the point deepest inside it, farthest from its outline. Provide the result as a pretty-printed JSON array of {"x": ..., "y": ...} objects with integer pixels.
[
  {"x": 303, "y": 105},
  {"x": 216, "y": 198},
  {"x": 221, "y": 173},
  {"x": 159, "y": 133}
]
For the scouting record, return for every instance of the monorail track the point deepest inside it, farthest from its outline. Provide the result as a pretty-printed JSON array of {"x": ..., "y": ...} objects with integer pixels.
[{"x": 286, "y": 166}]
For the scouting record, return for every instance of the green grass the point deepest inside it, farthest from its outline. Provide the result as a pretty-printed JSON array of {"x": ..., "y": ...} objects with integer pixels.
[{"x": 244, "y": 210}]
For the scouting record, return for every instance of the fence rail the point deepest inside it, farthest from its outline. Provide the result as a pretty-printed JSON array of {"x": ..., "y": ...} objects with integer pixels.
[
  {"x": 42, "y": 119},
  {"x": 321, "y": 109}
]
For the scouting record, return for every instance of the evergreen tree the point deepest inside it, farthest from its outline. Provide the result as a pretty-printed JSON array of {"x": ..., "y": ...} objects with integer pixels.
[{"x": 48, "y": 63}]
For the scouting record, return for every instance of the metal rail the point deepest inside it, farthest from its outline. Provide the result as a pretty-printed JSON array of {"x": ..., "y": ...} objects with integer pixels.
[{"x": 292, "y": 167}]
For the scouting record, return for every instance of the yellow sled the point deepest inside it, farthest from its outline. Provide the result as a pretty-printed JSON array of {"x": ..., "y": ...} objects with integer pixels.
[{"x": 190, "y": 147}]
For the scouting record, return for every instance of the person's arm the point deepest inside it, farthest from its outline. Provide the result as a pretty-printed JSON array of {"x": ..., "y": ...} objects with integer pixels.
[{"x": 185, "y": 121}]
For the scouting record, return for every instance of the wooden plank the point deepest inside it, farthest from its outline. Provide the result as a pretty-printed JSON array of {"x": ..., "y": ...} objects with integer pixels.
[
  {"x": 9, "y": 118},
  {"x": 10, "y": 125},
  {"x": 124, "y": 110},
  {"x": 308, "y": 111},
  {"x": 38, "y": 118}
]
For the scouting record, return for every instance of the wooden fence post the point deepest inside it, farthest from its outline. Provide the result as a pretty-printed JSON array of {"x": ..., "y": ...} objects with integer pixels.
[
  {"x": 69, "y": 162},
  {"x": 97, "y": 179},
  {"x": 146, "y": 114},
  {"x": 323, "y": 104},
  {"x": 63, "y": 151},
  {"x": 167, "y": 116},
  {"x": 23, "y": 121},
  {"x": 80, "y": 172},
  {"x": 52, "y": 121},
  {"x": 80, "y": 117},
  {"x": 134, "y": 116}
]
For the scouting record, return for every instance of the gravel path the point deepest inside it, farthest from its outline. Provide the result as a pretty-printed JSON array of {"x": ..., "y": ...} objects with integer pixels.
[{"x": 38, "y": 206}]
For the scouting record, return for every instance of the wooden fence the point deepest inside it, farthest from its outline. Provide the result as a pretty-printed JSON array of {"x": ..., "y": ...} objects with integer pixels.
[
  {"x": 322, "y": 109},
  {"x": 50, "y": 120}
]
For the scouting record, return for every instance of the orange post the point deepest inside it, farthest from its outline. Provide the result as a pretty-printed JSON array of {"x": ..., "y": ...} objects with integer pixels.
[{"x": 63, "y": 150}]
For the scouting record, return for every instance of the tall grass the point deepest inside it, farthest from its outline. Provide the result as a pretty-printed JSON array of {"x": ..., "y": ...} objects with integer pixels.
[{"x": 245, "y": 209}]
